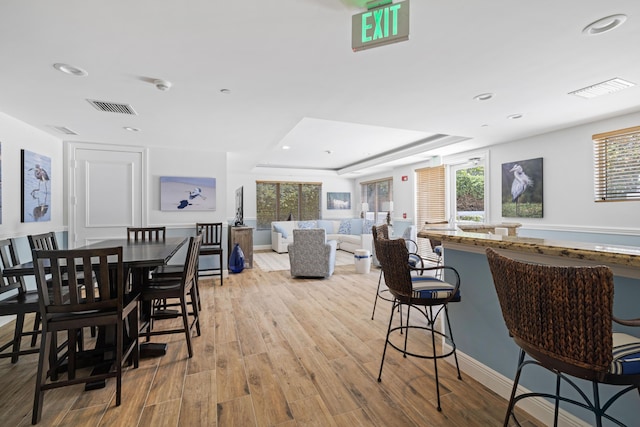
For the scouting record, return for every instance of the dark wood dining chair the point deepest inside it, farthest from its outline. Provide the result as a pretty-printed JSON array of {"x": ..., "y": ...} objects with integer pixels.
[
  {"x": 211, "y": 246},
  {"x": 20, "y": 302},
  {"x": 49, "y": 242},
  {"x": 64, "y": 307},
  {"x": 181, "y": 288},
  {"x": 146, "y": 234},
  {"x": 43, "y": 241}
]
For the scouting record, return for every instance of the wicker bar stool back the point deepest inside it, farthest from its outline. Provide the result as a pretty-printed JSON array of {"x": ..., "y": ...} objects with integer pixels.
[
  {"x": 380, "y": 232},
  {"x": 561, "y": 317}
]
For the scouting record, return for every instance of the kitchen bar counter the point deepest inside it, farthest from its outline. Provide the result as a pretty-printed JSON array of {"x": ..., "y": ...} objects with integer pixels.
[
  {"x": 485, "y": 350},
  {"x": 624, "y": 260}
]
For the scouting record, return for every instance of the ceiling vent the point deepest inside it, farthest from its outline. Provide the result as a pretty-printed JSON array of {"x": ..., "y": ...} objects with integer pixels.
[
  {"x": 112, "y": 107},
  {"x": 603, "y": 88},
  {"x": 65, "y": 130}
]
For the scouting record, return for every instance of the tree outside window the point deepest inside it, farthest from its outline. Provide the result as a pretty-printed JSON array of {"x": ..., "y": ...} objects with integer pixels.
[{"x": 276, "y": 201}]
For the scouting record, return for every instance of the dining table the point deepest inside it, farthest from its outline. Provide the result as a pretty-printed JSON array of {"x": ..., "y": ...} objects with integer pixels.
[{"x": 139, "y": 259}]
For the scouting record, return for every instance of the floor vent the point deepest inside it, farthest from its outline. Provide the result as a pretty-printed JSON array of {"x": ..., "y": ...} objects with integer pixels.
[{"x": 113, "y": 107}]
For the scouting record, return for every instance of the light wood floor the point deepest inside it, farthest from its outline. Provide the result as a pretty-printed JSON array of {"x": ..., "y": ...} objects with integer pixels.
[{"x": 273, "y": 351}]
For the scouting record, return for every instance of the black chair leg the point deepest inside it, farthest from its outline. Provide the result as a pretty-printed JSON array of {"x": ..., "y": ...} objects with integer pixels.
[
  {"x": 435, "y": 359},
  {"x": 455, "y": 354},
  {"x": 221, "y": 273},
  {"x": 195, "y": 301},
  {"x": 185, "y": 322},
  {"x": 17, "y": 337},
  {"x": 386, "y": 342},
  {"x": 46, "y": 343},
  {"x": 596, "y": 404},
  {"x": 36, "y": 327},
  {"x": 513, "y": 390},
  {"x": 377, "y": 296}
]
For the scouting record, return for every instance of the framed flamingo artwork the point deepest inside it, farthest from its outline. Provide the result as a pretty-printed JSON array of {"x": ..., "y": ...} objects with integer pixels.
[
  {"x": 36, "y": 187},
  {"x": 522, "y": 189}
]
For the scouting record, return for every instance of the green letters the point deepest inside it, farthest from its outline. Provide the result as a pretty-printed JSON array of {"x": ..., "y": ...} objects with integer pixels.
[
  {"x": 365, "y": 27},
  {"x": 385, "y": 23}
]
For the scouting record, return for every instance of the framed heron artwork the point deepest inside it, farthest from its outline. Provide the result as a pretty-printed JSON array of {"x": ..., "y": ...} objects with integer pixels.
[
  {"x": 179, "y": 193},
  {"x": 36, "y": 187},
  {"x": 522, "y": 189}
]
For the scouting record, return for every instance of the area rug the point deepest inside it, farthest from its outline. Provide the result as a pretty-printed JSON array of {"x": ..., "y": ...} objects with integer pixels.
[{"x": 273, "y": 261}]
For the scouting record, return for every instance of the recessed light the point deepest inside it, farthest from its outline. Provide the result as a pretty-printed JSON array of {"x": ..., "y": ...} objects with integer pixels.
[
  {"x": 514, "y": 116},
  {"x": 285, "y": 147},
  {"x": 225, "y": 91},
  {"x": 70, "y": 69},
  {"x": 483, "y": 97},
  {"x": 162, "y": 85},
  {"x": 604, "y": 25},
  {"x": 131, "y": 129}
]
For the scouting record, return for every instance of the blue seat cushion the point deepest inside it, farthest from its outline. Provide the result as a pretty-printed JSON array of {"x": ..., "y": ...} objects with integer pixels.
[
  {"x": 427, "y": 287},
  {"x": 278, "y": 229},
  {"x": 626, "y": 354}
]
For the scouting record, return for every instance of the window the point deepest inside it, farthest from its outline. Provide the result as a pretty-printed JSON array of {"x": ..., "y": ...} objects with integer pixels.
[
  {"x": 468, "y": 200},
  {"x": 616, "y": 158},
  {"x": 275, "y": 201},
  {"x": 379, "y": 197}
]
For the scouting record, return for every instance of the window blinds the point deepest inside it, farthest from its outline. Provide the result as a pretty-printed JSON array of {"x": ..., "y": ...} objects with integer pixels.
[
  {"x": 616, "y": 157},
  {"x": 430, "y": 200}
]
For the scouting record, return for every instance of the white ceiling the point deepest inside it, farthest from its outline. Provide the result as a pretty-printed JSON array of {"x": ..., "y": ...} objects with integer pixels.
[{"x": 294, "y": 80}]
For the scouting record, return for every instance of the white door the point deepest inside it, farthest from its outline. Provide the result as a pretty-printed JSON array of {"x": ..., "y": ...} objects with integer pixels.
[{"x": 107, "y": 191}]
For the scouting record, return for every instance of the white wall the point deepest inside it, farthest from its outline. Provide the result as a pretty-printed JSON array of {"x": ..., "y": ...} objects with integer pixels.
[
  {"x": 15, "y": 136},
  {"x": 568, "y": 179},
  {"x": 189, "y": 163}
]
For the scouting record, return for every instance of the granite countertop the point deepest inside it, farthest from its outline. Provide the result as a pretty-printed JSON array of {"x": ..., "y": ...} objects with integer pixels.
[{"x": 603, "y": 253}]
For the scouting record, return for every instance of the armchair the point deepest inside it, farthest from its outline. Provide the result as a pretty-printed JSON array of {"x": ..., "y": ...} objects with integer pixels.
[{"x": 310, "y": 255}]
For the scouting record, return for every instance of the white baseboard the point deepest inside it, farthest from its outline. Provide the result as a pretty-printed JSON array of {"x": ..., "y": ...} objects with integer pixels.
[{"x": 537, "y": 407}]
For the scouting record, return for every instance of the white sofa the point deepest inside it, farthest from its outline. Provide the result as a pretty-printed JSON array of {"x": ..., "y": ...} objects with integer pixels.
[{"x": 349, "y": 233}]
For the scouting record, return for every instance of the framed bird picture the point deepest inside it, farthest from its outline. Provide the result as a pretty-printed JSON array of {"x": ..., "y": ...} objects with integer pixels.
[
  {"x": 522, "y": 189},
  {"x": 182, "y": 194},
  {"x": 36, "y": 187}
]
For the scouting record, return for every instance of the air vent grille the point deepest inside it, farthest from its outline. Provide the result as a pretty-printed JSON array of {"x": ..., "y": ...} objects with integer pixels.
[
  {"x": 113, "y": 107},
  {"x": 65, "y": 130},
  {"x": 603, "y": 88}
]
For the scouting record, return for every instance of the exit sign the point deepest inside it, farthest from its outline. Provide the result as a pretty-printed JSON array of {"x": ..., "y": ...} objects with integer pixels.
[{"x": 388, "y": 23}]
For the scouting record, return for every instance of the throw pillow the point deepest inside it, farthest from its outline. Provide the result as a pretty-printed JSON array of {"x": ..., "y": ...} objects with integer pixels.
[
  {"x": 356, "y": 226},
  {"x": 326, "y": 225},
  {"x": 345, "y": 227},
  {"x": 278, "y": 229},
  {"x": 306, "y": 224},
  {"x": 368, "y": 225}
]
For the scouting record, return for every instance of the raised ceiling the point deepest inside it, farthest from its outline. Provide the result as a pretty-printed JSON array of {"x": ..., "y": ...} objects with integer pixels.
[{"x": 292, "y": 79}]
